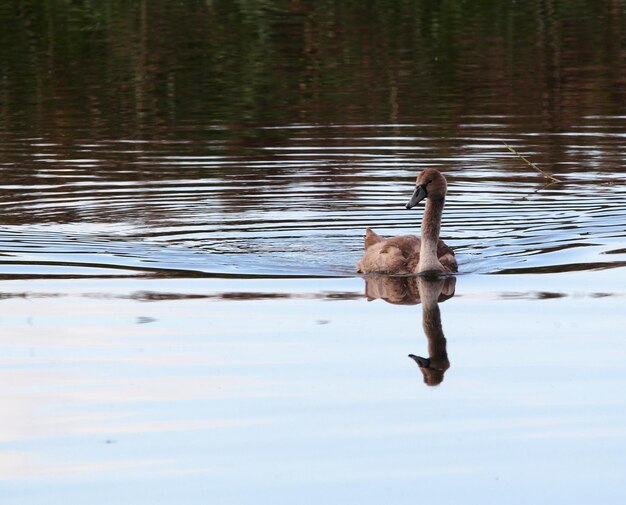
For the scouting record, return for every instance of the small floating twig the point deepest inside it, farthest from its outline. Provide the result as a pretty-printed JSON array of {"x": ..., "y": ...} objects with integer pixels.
[
  {"x": 532, "y": 165},
  {"x": 545, "y": 186}
]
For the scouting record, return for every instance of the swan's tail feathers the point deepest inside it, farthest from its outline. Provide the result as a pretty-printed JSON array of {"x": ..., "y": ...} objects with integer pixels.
[{"x": 371, "y": 238}]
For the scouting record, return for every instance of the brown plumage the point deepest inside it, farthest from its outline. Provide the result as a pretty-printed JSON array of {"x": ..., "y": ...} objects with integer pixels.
[{"x": 408, "y": 254}]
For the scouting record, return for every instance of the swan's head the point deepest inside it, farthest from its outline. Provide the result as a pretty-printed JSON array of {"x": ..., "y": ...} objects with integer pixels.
[{"x": 430, "y": 184}]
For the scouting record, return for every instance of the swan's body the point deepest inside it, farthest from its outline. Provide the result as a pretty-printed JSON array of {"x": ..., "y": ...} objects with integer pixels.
[{"x": 409, "y": 254}]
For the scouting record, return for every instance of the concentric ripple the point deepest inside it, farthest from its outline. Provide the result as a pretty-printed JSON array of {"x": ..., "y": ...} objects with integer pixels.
[{"x": 296, "y": 200}]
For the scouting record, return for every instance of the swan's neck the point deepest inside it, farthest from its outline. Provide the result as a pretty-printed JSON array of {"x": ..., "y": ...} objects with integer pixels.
[{"x": 431, "y": 225}]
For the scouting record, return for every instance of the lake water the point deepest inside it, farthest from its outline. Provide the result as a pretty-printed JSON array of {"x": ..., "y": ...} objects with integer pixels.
[{"x": 185, "y": 189}]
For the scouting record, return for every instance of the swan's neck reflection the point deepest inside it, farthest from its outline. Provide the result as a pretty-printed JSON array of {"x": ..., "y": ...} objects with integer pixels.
[
  {"x": 429, "y": 292},
  {"x": 434, "y": 367}
]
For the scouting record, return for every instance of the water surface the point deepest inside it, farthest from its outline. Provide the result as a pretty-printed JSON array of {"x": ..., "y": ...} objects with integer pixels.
[
  {"x": 161, "y": 390},
  {"x": 185, "y": 189}
]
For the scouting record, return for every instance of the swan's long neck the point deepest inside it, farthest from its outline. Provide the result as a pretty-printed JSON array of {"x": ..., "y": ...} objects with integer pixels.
[{"x": 431, "y": 226}]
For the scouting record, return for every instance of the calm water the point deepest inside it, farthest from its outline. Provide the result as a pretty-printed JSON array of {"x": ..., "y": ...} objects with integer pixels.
[{"x": 185, "y": 189}]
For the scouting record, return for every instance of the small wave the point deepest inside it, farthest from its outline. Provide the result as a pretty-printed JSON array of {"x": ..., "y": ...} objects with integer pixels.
[{"x": 298, "y": 205}]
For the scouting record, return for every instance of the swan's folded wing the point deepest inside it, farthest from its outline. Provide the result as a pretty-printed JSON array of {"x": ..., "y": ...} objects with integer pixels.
[
  {"x": 446, "y": 257},
  {"x": 395, "y": 256}
]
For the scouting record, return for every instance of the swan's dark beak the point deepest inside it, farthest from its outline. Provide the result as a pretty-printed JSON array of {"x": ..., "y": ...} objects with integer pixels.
[
  {"x": 418, "y": 195},
  {"x": 421, "y": 362}
]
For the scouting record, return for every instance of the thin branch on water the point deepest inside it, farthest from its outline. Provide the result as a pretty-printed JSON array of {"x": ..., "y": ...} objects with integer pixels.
[
  {"x": 532, "y": 165},
  {"x": 545, "y": 186}
]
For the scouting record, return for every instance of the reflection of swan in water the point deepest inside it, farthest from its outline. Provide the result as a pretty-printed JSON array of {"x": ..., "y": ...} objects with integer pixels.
[
  {"x": 407, "y": 290},
  {"x": 428, "y": 292},
  {"x": 434, "y": 367}
]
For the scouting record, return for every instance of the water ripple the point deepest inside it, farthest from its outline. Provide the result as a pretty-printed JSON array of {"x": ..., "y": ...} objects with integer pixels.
[{"x": 297, "y": 203}]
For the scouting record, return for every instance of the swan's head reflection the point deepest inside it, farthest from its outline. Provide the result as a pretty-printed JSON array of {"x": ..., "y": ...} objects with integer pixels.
[
  {"x": 429, "y": 292},
  {"x": 433, "y": 369}
]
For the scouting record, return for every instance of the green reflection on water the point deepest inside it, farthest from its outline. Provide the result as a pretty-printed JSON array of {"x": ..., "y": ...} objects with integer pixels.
[{"x": 143, "y": 67}]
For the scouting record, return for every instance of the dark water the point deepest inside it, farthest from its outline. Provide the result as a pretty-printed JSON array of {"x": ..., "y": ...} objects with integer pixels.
[{"x": 185, "y": 186}]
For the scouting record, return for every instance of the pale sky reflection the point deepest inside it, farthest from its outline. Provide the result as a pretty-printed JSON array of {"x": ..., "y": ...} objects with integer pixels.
[{"x": 17, "y": 465}]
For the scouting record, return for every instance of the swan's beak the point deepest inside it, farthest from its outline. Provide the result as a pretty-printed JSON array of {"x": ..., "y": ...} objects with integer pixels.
[
  {"x": 421, "y": 362},
  {"x": 418, "y": 195}
]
